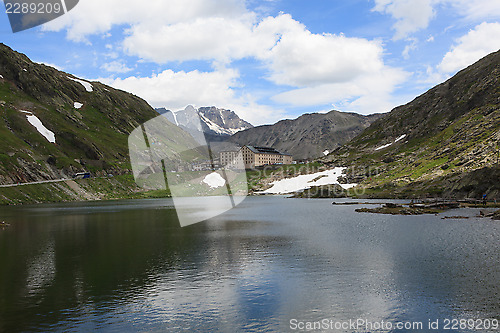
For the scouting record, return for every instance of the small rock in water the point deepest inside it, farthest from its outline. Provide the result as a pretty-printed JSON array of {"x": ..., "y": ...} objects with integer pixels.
[{"x": 392, "y": 205}]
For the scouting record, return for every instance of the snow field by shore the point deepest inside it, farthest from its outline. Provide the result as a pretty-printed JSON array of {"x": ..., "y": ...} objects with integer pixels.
[{"x": 302, "y": 182}]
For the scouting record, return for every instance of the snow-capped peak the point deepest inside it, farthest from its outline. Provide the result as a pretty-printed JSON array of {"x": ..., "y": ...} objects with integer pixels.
[{"x": 213, "y": 120}]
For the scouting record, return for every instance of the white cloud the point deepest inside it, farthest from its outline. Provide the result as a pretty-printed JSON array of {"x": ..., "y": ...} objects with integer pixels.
[
  {"x": 410, "y": 15},
  {"x": 97, "y": 16},
  {"x": 366, "y": 94},
  {"x": 326, "y": 67},
  {"x": 476, "y": 44},
  {"x": 431, "y": 77},
  {"x": 292, "y": 54},
  {"x": 221, "y": 31},
  {"x": 476, "y": 10},
  {"x": 178, "y": 89},
  {"x": 211, "y": 38},
  {"x": 329, "y": 69},
  {"x": 257, "y": 114},
  {"x": 410, "y": 47},
  {"x": 175, "y": 90},
  {"x": 116, "y": 67},
  {"x": 414, "y": 15},
  {"x": 479, "y": 42},
  {"x": 301, "y": 58}
]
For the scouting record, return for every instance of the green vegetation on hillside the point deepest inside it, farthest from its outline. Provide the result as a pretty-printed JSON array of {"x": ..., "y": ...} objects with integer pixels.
[
  {"x": 451, "y": 146},
  {"x": 92, "y": 138}
]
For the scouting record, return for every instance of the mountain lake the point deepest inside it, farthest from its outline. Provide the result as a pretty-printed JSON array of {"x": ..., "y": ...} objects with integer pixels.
[{"x": 272, "y": 264}]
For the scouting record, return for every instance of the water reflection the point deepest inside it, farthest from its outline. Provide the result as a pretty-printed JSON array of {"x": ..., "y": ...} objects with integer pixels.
[
  {"x": 128, "y": 266},
  {"x": 41, "y": 270}
]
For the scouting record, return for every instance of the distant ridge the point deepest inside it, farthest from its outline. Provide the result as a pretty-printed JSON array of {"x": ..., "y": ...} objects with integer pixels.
[{"x": 309, "y": 136}]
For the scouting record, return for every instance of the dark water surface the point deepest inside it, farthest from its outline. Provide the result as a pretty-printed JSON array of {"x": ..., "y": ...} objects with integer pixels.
[{"x": 127, "y": 266}]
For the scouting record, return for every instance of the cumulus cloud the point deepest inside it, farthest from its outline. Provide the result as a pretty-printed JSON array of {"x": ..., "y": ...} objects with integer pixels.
[
  {"x": 291, "y": 53},
  {"x": 371, "y": 93},
  {"x": 479, "y": 42},
  {"x": 331, "y": 67},
  {"x": 414, "y": 15},
  {"x": 175, "y": 90},
  {"x": 178, "y": 89},
  {"x": 410, "y": 15},
  {"x": 324, "y": 67},
  {"x": 301, "y": 58},
  {"x": 207, "y": 38},
  {"x": 97, "y": 17}
]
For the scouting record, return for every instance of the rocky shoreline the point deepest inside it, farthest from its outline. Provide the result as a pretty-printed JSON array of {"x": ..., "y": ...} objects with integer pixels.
[{"x": 419, "y": 209}]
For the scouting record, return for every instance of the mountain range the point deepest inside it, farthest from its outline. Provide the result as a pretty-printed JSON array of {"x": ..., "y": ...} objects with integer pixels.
[
  {"x": 307, "y": 137},
  {"x": 89, "y": 124},
  {"x": 443, "y": 143}
]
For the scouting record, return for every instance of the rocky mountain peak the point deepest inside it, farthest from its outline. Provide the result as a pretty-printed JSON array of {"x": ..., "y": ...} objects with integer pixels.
[{"x": 213, "y": 121}]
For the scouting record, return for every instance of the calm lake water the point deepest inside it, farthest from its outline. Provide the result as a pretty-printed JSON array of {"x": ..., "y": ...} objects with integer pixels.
[{"x": 127, "y": 266}]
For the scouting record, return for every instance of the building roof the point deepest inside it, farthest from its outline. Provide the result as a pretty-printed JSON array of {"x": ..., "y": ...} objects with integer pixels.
[{"x": 265, "y": 150}]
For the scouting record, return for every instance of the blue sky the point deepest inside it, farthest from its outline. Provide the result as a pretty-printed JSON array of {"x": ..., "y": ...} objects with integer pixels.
[{"x": 267, "y": 59}]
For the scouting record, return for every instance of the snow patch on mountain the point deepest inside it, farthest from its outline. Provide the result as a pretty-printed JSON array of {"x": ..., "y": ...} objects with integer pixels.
[
  {"x": 400, "y": 138},
  {"x": 175, "y": 118},
  {"x": 214, "y": 127},
  {"x": 391, "y": 143},
  {"x": 85, "y": 84},
  {"x": 44, "y": 131},
  {"x": 218, "y": 129}
]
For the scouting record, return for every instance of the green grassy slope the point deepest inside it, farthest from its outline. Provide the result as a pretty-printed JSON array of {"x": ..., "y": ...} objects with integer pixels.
[
  {"x": 93, "y": 138},
  {"x": 451, "y": 145}
]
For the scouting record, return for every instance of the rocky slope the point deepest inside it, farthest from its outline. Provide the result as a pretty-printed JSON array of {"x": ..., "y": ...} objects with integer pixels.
[
  {"x": 216, "y": 123},
  {"x": 53, "y": 124},
  {"x": 443, "y": 143},
  {"x": 309, "y": 136}
]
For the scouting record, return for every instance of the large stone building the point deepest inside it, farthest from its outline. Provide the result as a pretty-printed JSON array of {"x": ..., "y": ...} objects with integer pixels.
[{"x": 255, "y": 157}]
